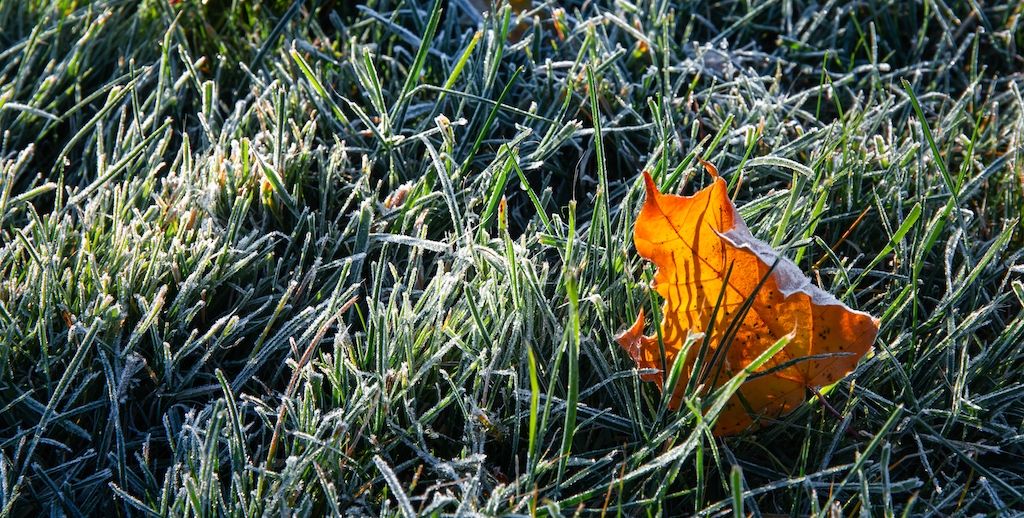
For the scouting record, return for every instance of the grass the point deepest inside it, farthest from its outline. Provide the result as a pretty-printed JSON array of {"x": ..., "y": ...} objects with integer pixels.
[{"x": 328, "y": 258}]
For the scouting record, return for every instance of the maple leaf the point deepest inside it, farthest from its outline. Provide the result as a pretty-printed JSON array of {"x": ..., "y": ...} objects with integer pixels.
[{"x": 718, "y": 279}]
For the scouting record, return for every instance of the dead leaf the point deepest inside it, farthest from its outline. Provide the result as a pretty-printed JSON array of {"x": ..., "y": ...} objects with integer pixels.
[{"x": 706, "y": 257}]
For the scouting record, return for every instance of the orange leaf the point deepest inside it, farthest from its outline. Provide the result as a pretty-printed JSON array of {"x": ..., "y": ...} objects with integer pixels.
[{"x": 707, "y": 259}]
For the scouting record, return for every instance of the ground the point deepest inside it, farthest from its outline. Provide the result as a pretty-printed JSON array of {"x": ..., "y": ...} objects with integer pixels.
[{"x": 329, "y": 257}]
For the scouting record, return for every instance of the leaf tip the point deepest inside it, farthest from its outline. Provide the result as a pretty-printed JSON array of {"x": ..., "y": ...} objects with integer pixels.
[
  {"x": 709, "y": 167},
  {"x": 630, "y": 337},
  {"x": 652, "y": 189}
]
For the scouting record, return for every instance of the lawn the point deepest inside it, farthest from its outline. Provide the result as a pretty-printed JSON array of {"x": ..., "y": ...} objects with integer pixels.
[{"x": 326, "y": 257}]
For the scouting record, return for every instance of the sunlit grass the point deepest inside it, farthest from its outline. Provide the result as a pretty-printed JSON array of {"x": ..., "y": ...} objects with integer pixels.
[{"x": 370, "y": 259}]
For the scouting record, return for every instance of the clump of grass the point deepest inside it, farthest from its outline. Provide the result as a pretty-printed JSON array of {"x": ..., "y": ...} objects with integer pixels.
[{"x": 369, "y": 259}]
